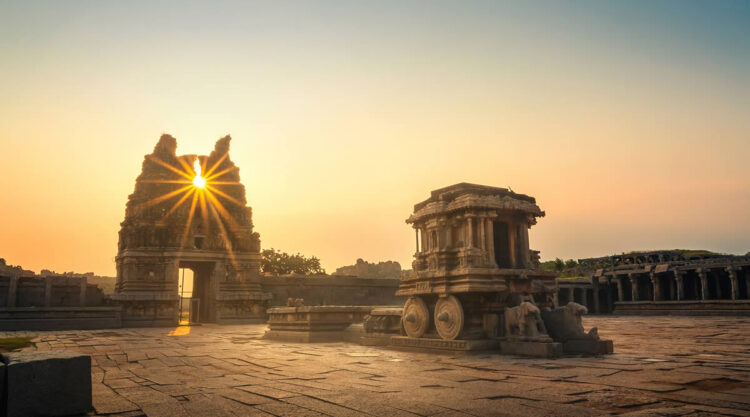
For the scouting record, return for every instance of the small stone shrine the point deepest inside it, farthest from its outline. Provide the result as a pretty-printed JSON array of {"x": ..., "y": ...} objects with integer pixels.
[
  {"x": 475, "y": 281},
  {"x": 189, "y": 211}
]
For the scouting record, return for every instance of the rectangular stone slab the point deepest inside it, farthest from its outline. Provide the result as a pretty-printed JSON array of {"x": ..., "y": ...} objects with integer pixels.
[
  {"x": 444, "y": 345},
  {"x": 52, "y": 383},
  {"x": 589, "y": 347},
  {"x": 535, "y": 349}
]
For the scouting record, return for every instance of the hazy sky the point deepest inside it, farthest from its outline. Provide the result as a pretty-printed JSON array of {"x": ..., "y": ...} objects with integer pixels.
[{"x": 629, "y": 121}]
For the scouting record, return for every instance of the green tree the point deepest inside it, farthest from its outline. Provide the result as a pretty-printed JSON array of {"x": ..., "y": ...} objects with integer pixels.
[
  {"x": 559, "y": 264},
  {"x": 570, "y": 264},
  {"x": 281, "y": 263}
]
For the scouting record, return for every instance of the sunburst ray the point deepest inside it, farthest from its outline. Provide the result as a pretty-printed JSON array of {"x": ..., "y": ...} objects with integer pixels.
[
  {"x": 179, "y": 202},
  {"x": 170, "y": 167},
  {"x": 223, "y": 194},
  {"x": 222, "y": 172},
  {"x": 161, "y": 198},
  {"x": 216, "y": 165}
]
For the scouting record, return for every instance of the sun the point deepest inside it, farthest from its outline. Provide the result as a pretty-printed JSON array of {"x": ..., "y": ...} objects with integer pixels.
[{"x": 198, "y": 181}]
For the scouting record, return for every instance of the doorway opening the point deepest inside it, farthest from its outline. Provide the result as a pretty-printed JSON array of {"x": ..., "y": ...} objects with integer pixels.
[
  {"x": 197, "y": 292},
  {"x": 502, "y": 244},
  {"x": 185, "y": 290}
]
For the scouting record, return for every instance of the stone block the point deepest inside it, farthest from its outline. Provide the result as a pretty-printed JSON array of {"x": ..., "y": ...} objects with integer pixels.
[
  {"x": 3, "y": 376},
  {"x": 295, "y": 336},
  {"x": 588, "y": 347},
  {"x": 535, "y": 349},
  {"x": 443, "y": 345},
  {"x": 51, "y": 383}
]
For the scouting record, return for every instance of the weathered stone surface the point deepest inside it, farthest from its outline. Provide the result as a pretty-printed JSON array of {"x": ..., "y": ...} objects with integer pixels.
[
  {"x": 588, "y": 346},
  {"x": 535, "y": 349},
  {"x": 698, "y": 367},
  {"x": 305, "y": 324},
  {"x": 443, "y": 345},
  {"x": 53, "y": 383}
]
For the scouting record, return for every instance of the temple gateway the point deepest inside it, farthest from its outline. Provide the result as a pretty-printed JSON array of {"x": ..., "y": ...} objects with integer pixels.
[{"x": 188, "y": 211}]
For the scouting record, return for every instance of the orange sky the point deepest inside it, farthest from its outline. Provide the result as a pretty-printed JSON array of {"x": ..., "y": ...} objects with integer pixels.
[{"x": 631, "y": 132}]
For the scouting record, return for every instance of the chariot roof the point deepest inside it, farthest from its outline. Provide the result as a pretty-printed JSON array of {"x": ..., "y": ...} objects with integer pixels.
[{"x": 466, "y": 196}]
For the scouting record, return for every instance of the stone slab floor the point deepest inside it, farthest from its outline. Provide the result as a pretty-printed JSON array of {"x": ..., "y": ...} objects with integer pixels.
[{"x": 663, "y": 366}]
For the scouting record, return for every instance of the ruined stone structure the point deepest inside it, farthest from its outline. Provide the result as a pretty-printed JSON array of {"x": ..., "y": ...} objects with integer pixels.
[
  {"x": 666, "y": 282},
  {"x": 53, "y": 303},
  {"x": 472, "y": 261},
  {"x": 188, "y": 211}
]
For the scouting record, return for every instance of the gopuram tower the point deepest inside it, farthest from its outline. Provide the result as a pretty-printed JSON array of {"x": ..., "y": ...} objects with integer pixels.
[{"x": 188, "y": 211}]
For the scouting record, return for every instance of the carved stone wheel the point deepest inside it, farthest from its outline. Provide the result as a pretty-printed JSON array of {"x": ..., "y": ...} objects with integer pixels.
[
  {"x": 416, "y": 317},
  {"x": 449, "y": 317}
]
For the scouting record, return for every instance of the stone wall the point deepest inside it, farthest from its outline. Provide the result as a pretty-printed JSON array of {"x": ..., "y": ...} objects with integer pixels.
[
  {"x": 332, "y": 290},
  {"x": 48, "y": 292}
]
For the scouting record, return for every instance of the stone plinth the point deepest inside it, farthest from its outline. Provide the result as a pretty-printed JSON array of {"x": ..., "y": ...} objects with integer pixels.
[
  {"x": 588, "y": 347},
  {"x": 534, "y": 349},
  {"x": 54, "y": 383},
  {"x": 684, "y": 308},
  {"x": 312, "y": 323},
  {"x": 380, "y": 325},
  {"x": 421, "y": 343},
  {"x": 60, "y": 318},
  {"x": 148, "y": 309}
]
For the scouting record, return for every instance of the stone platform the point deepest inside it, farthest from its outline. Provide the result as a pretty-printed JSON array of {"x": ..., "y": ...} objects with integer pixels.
[
  {"x": 443, "y": 345},
  {"x": 60, "y": 318},
  {"x": 312, "y": 323},
  {"x": 684, "y": 308},
  {"x": 532, "y": 349},
  {"x": 663, "y": 366}
]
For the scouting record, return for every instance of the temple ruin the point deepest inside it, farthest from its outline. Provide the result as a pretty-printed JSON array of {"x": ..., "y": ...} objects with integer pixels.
[
  {"x": 663, "y": 282},
  {"x": 188, "y": 211}
]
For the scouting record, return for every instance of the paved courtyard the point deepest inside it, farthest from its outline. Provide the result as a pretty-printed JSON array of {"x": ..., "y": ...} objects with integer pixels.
[{"x": 663, "y": 366}]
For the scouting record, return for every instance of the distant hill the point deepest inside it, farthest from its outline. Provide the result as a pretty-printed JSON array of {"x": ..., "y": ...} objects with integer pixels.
[{"x": 364, "y": 269}]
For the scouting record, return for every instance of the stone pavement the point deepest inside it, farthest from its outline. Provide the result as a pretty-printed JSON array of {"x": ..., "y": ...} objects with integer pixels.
[{"x": 663, "y": 366}]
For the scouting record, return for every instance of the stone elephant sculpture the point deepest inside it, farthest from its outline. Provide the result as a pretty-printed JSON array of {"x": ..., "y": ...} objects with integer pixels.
[
  {"x": 564, "y": 323},
  {"x": 524, "y": 321}
]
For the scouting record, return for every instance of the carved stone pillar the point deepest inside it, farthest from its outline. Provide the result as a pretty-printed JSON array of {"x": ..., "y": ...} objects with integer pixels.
[
  {"x": 469, "y": 232},
  {"x": 525, "y": 246},
  {"x": 633, "y": 286},
  {"x": 584, "y": 298},
  {"x": 416, "y": 238},
  {"x": 610, "y": 303},
  {"x": 657, "y": 287},
  {"x": 512, "y": 244},
  {"x": 571, "y": 295},
  {"x": 595, "y": 286},
  {"x": 620, "y": 290},
  {"x": 490, "y": 243},
  {"x": 482, "y": 239},
  {"x": 448, "y": 236},
  {"x": 678, "y": 275},
  {"x": 704, "y": 283},
  {"x": 735, "y": 285}
]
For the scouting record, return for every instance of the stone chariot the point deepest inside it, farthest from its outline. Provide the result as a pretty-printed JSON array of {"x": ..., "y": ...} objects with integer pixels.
[{"x": 472, "y": 262}]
